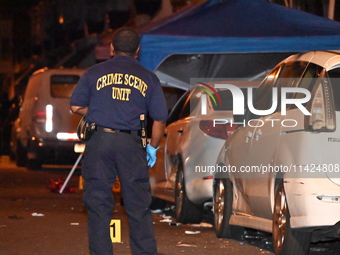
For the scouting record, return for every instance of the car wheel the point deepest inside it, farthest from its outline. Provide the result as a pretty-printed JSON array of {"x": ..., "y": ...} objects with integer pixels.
[
  {"x": 21, "y": 154},
  {"x": 285, "y": 239},
  {"x": 34, "y": 158},
  {"x": 223, "y": 201},
  {"x": 185, "y": 210}
]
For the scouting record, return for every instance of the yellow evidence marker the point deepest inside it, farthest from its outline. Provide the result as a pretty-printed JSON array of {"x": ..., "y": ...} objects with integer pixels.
[{"x": 115, "y": 231}]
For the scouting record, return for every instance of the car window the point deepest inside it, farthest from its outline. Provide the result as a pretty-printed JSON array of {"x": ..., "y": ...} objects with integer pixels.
[
  {"x": 186, "y": 104},
  {"x": 195, "y": 99},
  {"x": 334, "y": 76},
  {"x": 62, "y": 86},
  {"x": 263, "y": 94},
  {"x": 309, "y": 77},
  {"x": 227, "y": 100},
  {"x": 185, "y": 111},
  {"x": 308, "y": 80},
  {"x": 290, "y": 75},
  {"x": 177, "y": 109},
  {"x": 172, "y": 95},
  {"x": 335, "y": 73}
]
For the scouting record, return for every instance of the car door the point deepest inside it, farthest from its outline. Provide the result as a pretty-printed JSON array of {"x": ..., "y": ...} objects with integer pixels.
[
  {"x": 240, "y": 151},
  {"x": 265, "y": 141},
  {"x": 178, "y": 134},
  {"x": 158, "y": 174}
]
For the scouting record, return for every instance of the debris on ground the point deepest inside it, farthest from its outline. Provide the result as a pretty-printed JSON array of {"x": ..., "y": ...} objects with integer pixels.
[
  {"x": 157, "y": 211},
  {"x": 174, "y": 224},
  {"x": 203, "y": 224},
  {"x": 186, "y": 244},
  {"x": 188, "y": 232},
  {"x": 35, "y": 214},
  {"x": 56, "y": 186},
  {"x": 166, "y": 218}
]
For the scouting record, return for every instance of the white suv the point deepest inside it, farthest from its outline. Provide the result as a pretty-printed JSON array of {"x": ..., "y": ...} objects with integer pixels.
[
  {"x": 45, "y": 131},
  {"x": 279, "y": 171}
]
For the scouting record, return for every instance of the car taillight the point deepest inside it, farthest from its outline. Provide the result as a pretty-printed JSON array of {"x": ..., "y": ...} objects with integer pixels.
[
  {"x": 322, "y": 118},
  {"x": 222, "y": 131},
  {"x": 45, "y": 117},
  {"x": 40, "y": 116}
]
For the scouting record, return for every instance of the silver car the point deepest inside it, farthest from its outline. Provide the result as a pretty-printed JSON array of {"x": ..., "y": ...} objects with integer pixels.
[
  {"x": 279, "y": 171},
  {"x": 192, "y": 142}
]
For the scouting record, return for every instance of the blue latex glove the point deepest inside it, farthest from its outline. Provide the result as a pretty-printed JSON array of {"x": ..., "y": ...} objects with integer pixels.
[{"x": 151, "y": 155}]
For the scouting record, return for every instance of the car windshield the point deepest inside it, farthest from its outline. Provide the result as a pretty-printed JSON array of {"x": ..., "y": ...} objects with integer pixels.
[
  {"x": 227, "y": 100},
  {"x": 62, "y": 86}
]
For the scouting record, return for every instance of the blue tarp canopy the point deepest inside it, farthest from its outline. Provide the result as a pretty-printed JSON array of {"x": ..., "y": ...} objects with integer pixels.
[{"x": 238, "y": 26}]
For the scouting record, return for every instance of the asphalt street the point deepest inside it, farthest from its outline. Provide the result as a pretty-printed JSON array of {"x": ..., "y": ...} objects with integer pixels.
[{"x": 35, "y": 219}]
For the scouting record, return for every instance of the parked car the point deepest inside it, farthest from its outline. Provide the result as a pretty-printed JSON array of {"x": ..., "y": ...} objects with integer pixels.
[
  {"x": 192, "y": 142},
  {"x": 279, "y": 172},
  {"x": 46, "y": 128}
]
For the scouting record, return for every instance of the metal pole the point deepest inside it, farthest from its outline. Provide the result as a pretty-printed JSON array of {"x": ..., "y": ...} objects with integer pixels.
[{"x": 71, "y": 172}]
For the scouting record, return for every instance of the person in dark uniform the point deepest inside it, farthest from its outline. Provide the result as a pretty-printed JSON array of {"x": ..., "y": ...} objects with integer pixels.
[{"x": 113, "y": 94}]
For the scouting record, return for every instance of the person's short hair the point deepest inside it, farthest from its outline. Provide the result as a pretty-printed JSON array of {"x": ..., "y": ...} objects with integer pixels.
[{"x": 125, "y": 40}]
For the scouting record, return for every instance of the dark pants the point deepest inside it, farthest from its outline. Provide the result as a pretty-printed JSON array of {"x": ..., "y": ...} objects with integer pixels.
[{"x": 106, "y": 156}]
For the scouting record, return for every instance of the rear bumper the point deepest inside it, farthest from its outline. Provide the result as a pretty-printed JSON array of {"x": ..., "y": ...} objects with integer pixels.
[
  {"x": 313, "y": 202},
  {"x": 51, "y": 150},
  {"x": 199, "y": 190},
  {"x": 55, "y": 144}
]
